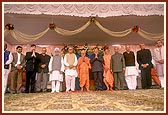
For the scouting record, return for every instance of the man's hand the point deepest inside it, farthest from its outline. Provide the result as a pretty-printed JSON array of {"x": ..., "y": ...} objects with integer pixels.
[
  {"x": 161, "y": 61},
  {"x": 123, "y": 69},
  {"x": 19, "y": 67},
  {"x": 50, "y": 72},
  {"x": 111, "y": 71},
  {"x": 144, "y": 65},
  {"x": 61, "y": 72},
  {"x": 71, "y": 66},
  {"x": 43, "y": 66}
]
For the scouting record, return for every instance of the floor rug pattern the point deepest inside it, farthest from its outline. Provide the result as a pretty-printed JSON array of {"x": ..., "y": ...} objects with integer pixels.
[{"x": 125, "y": 100}]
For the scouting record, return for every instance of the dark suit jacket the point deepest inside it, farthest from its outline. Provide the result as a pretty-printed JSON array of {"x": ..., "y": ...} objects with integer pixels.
[
  {"x": 44, "y": 60},
  {"x": 144, "y": 57},
  {"x": 32, "y": 62},
  {"x": 97, "y": 64},
  {"x": 14, "y": 62}
]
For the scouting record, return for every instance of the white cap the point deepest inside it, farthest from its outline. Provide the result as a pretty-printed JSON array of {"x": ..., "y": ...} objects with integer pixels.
[{"x": 56, "y": 49}]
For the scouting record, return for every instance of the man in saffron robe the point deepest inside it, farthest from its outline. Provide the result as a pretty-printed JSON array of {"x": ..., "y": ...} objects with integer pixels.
[
  {"x": 108, "y": 76},
  {"x": 83, "y": 70}
]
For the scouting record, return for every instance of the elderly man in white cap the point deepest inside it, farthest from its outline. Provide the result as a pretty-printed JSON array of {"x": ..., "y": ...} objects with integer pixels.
[{"x": 56, "y": 69}]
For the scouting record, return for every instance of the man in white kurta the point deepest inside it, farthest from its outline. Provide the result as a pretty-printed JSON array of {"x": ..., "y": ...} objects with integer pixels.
[
  {"x": 131, "y": 71},
  {"x": 70, "y": 62},
  {"x": 56, "y": 69},
  {"x": 8, "y": 58},
  {"x": 158, "y": 56}
]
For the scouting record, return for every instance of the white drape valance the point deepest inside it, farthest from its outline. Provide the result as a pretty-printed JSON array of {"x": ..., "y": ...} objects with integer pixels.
[{"x": 86, "y": 10}]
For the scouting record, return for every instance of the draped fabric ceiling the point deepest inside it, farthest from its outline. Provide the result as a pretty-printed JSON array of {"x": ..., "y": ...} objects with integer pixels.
[{"x": 31, "y": 19}]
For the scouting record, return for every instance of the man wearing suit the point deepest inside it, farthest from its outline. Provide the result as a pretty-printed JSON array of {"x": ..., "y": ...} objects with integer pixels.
[
  {"x": 17, "y": 68},
  {"x": 144, "y": 59},
  {"x": 42, "y": 75},
  {"x": 32, "y": 60},
  {"x": 118, "y": 69},
  {"x": 97, "y": 62}
]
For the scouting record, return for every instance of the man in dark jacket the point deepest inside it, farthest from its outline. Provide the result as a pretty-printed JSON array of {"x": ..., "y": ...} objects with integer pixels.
[
  {"x": 144, "y": 59},
  {"x": 97, "y": 61},
  {"x": 42, "y": 75},
  {"x": 32, "y": 60}
]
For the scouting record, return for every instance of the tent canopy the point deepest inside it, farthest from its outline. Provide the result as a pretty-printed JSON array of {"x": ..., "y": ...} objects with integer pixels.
[{"x": 23, "y": 20}]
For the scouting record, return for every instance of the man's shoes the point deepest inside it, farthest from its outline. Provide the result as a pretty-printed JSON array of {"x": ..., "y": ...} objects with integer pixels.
[
  {"x": 32, "y": 91},
  {"x": 162, "y": 88},
  {"x": 116, "y": 88},
  {"x": 38, "y": 91},
  {"x": 18, "y": 92},
  {"x": 44, "y": 90},
  {"x": 125, "y": 88},
  {"x": 12, "y": 92}
]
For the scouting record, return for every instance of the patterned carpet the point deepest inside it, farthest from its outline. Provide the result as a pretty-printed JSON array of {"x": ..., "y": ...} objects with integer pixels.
[{"x": 126, "y": 100}]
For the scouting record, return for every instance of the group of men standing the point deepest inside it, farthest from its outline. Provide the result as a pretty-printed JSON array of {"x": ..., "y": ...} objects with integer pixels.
[
  {"x": 35, "y": 65},
  {"x": 117, "y": 71}
]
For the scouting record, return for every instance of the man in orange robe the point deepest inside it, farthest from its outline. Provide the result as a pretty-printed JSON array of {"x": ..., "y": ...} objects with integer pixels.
[
  {"x": 108, "y": 76},
  {"x": 83, "y": 70}
]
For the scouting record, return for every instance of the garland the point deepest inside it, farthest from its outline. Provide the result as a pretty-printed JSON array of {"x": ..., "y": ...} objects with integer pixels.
[
  {"x": 9, "y": 26},
  {"x": 52, "y": 26},
  {"x": 135, "y": 28},
  {"x": 24, "y": 38}
]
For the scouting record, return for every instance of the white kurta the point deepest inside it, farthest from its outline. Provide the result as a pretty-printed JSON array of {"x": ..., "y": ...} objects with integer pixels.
[
  {"x": 70, "y": 72},
  {"x": 131, "y": 70},
  {"x": 159, "y": 55},
  {"x": 56, "y": 74},
  {"x": 131, "y": 74},
  {"x": 70, "y": 75},
  {"x": 6, "y": 71}
]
